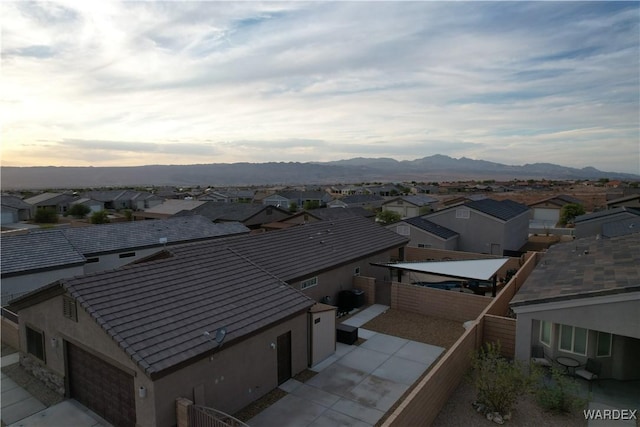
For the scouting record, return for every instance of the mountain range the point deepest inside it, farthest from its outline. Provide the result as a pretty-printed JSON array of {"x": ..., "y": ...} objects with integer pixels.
[{"x": 434, "y": 168}]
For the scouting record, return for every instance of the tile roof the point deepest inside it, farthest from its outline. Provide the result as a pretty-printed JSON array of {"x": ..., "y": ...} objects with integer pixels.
[
  {"x": 173, "y": 206},
  {"x": 221, "y": 211},
  {"x": 139, "y": 234},
  {"x": 305, "y": 250},
  {"x": 606, "y": 213},
  {"x": 157, "y": 312},
  {"x": 431, "y": 227},
  {"x": 362, "y": 198},
  {"x": 503, "y": 209},
  {"x": 14, "y": 202},
  {"x": 37, "y": 251},
  {"x": 329, "y": 214},
  {"x": 419, "y": 200},
  {"x": 584, "y": 268},
  {"x": 46, "y": 198},
  {"x": 621, "y": 227}
]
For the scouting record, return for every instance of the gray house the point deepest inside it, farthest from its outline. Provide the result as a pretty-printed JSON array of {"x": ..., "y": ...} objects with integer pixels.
[
  {"x": 14, "y": 209},
  {"x": 59, "y": 202},
  {"x": 583, "y": 301},
  {"x": 251, "y": 215},
  {"x": 592, "y": 224},
  {"x": 426, "y": 234},
  {"x": 30, "y": 261},
  {"x": 144, "y": 330},
  {"x": 486, "y": 226},
  {"x": 410, "y": 206},
  {"x": 285, "y": 199}
]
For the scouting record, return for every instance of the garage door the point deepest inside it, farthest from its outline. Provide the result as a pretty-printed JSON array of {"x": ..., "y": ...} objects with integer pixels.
[{"x": 101, "y": 387}]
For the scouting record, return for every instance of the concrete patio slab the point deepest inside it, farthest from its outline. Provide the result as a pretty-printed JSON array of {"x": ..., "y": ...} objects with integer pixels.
[
  {"x": 8, "y": 384},
  {"x": 14, "y": 395},
  {"x": 366, "y": 334},
  {"x": 400, "y": 370},
  {"x": 337, "y": 379},
  {"x": 21, "y": 409},
  {"x": 342, "y": 349},
  {"x": 10, "y": 359},
  {"x": 363, "y": 359},
  {"x": 316, "y": 395},
  {"x": 364, "y": 316},
  {"x": 383, "y": 343},
  {"x": 290, "y": 411},
  {"x": 378, "y": 393},
  {"x": 319, "y": 367},
  {"x": 290, "y": 385},
  {"x": 356, "y": 410},
  {"x": 419, "y": 352},
  {"x": 67, "y": 413},
  {"x": 331, "y": 418}
]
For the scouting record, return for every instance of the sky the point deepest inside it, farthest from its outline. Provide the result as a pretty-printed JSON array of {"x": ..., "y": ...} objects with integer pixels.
[{"x": 137, "y": 83}]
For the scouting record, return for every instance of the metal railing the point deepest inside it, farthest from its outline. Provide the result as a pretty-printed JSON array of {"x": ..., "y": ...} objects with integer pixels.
[{"x": 201, "y": 416}]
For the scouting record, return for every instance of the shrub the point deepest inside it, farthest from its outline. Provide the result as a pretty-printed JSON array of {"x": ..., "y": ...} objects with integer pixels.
[
  {"x": 499, "y": 383},
  {"x": 78, "y": 210},
  {"x": 388, "y": 217},
  {"x": 99, "y": 217},
  {"x": 45, "y": 216},
  {"x": 569, "y": 212},
  {"x": 561, "y": 394}
]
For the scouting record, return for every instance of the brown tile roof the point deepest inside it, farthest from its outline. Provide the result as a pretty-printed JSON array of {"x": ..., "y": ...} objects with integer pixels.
[{"x": 584, "y": 268}]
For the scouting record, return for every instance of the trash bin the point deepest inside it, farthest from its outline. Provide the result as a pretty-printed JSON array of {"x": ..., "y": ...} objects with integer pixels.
[{"x": 358, "y": 298}]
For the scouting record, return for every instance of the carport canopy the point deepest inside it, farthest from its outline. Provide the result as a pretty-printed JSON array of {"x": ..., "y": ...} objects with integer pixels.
[{"x": 472, "y": 269}]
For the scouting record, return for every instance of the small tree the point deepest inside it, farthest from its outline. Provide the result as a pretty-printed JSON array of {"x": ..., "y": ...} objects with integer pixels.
[
  {"x": 128, "y": 214},
  {"x": 45, "y": 216},
  {"x": 293, "y": 207},
  {"x": 388, "y": 217},
  {"x": 570, "y": 211},
  {"x": 499, "y": 383},
  {"x": 78, "y": 210},
  {"x": 100, "y": 217},
  {"x": 310, "y": 204}
]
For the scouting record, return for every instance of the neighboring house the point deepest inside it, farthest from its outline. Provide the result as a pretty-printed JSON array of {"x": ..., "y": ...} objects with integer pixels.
[
  {"x": 410, "y": 206},
  {"x": 125, "y": 199},
  {"x": 285, "y": 199},
  {"x": 167, "y": 209},
  {"x": 389, "y": 190},
  {"x": 329, "y": 214},
  {"x": 546, "y": 212},
  {"x": 591, "y": 224},
  {"x": 109, "y": 246},
  {"x": 251, "y": 215},
  {"x": 426, "y": 234},
  {"x": 486, "y": 226},
  {"x": 59, "y": 202},
  {"x": 631, "y": 201},
  {"x": 367, "y": 201},
  {"x": 141, "y": 329},
  {"x": 14, "y": 209},
  {"x": 29, "y": 260},
  {"x": 454, "y": 201},
  {"x": 583, "y": 301}
]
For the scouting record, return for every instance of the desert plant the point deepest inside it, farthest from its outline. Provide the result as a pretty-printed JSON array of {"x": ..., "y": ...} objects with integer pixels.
[
  {"x": 569, "y": 212},
  {"x": 388, "y": 217},
  {"x": 560, "y": 394},
  {"x": 100, "y": 217},
  {"x": 78, "y": 210},
  {"x": 499, "y": 382},
  {"x": 45, "y": 216}
]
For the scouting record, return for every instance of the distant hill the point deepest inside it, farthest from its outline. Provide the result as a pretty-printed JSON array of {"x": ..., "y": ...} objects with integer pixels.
[{"x": 432, "y": 168}]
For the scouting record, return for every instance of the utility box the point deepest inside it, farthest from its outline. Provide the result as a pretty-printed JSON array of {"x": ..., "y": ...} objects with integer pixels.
[
  {"x": 322, "y": 332},
  {"x": 347, "y": 334}
]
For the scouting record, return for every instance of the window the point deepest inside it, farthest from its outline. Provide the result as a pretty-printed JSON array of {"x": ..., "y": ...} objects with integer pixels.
[
  {"x": 462, "y": 213},
  {"x": 402, "y": 230},
  {"x": 309, "y": 283},
  {"x": 356, "y": 271},
  {"x": 35, "y": 343},
  {"x": 424, "y": 245},
  {"x": 573, "y": 340},
  {"x": 604, "y": 345},
  {"x": 69, "y": 308},
  {"x": 127, "y": 255},
  {"x": 92, "y": 260},
  {"x": 545, "y": 332}
]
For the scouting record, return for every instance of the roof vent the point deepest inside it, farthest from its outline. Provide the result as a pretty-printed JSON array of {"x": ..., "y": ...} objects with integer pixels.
[{"x": 162, "y": 240}]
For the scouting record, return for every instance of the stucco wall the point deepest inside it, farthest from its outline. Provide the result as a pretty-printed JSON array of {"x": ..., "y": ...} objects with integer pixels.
[
  {"x": 113, "y": 260},
  {"x": 48, "y": 317},
  {"x": 15, "y": 286},
  {"x": 330, "y": 283},
  {"x": 235, "y": 376}
]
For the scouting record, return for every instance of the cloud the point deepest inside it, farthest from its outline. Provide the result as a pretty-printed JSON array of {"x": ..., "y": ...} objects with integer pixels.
[{"x": 306, "y": 81}]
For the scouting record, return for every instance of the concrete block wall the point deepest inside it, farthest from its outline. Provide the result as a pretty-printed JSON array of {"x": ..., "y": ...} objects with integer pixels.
[
  {"x": 368, "y": 286},
  {"x": 497, "y": 329}
]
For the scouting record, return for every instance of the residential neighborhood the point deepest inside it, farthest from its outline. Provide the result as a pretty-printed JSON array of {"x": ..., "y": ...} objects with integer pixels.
[{"x": 210, "y": 303}]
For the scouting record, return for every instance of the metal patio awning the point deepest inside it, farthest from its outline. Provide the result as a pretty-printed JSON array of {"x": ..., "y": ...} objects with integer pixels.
[{"x": 473, "y": 269}]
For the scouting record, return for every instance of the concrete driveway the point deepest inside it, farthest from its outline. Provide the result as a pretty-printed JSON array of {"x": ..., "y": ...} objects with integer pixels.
[{"x": 355, "y": 386}]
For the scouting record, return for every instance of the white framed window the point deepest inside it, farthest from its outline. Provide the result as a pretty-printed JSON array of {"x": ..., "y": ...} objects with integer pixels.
[
  {"x": 309, "y": 283},
  {"x": 462, "y": 213},
  {"x": 402, "y": 230},
  {"x": 573, "y": 339},
  {"x": 546, "y": 329},
  {"x": 603, "y": 348},
  {"x": 424, "y": 245}
]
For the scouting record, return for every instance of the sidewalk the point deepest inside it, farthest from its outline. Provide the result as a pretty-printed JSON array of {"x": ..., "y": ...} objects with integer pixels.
[{"x": 20, "y": 408}]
